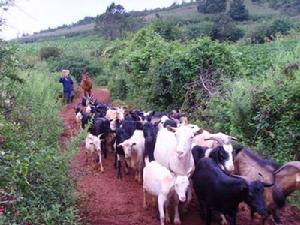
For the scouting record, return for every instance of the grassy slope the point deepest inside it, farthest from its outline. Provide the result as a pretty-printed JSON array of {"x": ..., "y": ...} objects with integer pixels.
[{"x": 184, "y": 12}]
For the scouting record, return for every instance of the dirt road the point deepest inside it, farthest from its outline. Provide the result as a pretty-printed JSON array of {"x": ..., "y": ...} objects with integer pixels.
[{"x": 105, "y": 200}]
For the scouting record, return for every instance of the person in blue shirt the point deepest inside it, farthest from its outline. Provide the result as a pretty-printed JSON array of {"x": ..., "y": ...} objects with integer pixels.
[{"x": 68, "y": 85}]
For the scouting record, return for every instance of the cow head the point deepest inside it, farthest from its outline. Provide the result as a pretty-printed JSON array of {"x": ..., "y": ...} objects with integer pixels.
[
  {"x": 184, "y": 136},
  {"x": 127, "y": 148},
  {"x": 227, "y": 146},
  {"x": 220, "y": 156},
  {"x": 255, "y": 197},
  {"x": 181, "y": 187}
]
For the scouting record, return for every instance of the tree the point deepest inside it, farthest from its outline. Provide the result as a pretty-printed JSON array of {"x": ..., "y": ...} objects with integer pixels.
[
  {"x": 115, "y": 21},
  {"x": 238, "y": 10},
  {"x": 212, "y": 6}
]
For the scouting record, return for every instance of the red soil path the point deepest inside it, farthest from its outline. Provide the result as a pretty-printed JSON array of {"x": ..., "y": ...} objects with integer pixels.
[{"x": 105, "y": 200}]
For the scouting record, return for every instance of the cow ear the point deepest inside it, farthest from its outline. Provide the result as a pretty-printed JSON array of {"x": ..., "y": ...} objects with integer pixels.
[
  {"x": 200, "y": 131},
  {"x": 172, "y": 129}
]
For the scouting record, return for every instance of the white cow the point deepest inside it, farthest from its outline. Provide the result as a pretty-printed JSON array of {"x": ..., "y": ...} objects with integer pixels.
[
  {"x": 114, "y": 115},
  {"x": 134, "y": 149},
  {"x": 160, "y": 182},
  {"x": 173, "y": 149},
  {"x": 93, "y": 144}
]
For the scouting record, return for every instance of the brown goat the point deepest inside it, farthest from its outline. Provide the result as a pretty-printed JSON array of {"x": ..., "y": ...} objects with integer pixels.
[{"x": 286, "y": 179}]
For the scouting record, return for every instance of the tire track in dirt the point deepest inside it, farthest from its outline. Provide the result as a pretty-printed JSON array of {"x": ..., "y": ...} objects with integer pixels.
[{"x": 105, "y": 200}]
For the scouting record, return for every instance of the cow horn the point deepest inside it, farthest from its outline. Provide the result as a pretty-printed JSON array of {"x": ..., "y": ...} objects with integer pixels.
[
  {"x": 233, "y": 138},
  {"x": 217, "y": 139}
]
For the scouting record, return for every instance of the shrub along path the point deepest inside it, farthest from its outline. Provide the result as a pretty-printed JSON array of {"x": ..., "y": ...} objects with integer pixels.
[{"x": 104, "y": 200}]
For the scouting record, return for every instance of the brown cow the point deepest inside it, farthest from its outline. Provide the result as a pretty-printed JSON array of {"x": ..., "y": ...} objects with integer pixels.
[{"x": 86, "y": 84}]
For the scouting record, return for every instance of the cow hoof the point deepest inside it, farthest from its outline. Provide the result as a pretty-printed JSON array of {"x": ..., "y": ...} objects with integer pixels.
[
  {"x": 177, "y": 221},
  {"x": 168, "y": 219},
  {"x": 102, "y": 169}
]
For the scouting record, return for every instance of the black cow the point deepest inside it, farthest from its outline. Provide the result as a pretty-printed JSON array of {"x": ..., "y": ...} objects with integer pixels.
[
  {"x": 218, "y": 191},
  {"x": 99, "y": 126},
  {"x": 121, "y": 136},
  {"x": 150, "y": 134}
]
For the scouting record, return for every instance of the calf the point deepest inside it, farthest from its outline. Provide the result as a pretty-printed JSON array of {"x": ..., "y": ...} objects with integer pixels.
[
  {"x": 134, "y": 148},
  {"x": 223, "y": 193},
  {"x": 93, "y": 144},
  {"x": 160, "y": 182}
]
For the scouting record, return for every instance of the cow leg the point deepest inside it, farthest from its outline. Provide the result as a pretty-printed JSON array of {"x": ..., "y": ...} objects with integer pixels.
[
  {"x": 100, "y": 161},
  {"x": 276, "y": 217},
  {"x": 223, "y": 219},
  {"x": 168, "y": 218},
  {"x": 119, "y": 165},
  {"x": 103, "y": 146},
  {"x": 144, "y": 199},
  {"x": 140, "y": 171},
  {"x": 252, "y": 213},
  {"x": 126, "y": 168},
  {"x": 208, "y": 215},
  {"x": 232, "y": 218},
  {"x": 188, "y": 199},
  {"x": 176, "y": 215},
  {"x": 116, "y": 160},
  {"x": 161, "y": 208},
  {"x": 86, "y": 157}
]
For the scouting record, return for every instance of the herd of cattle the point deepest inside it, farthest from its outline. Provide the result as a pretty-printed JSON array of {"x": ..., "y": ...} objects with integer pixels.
[{"x": 174, "y": 158}]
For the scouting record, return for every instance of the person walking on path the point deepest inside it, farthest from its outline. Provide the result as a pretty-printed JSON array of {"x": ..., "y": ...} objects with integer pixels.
[{"x": 68, "y": 85}]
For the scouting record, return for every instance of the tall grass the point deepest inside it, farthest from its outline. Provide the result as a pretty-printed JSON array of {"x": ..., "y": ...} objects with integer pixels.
[{"x": 33, "y": 169}]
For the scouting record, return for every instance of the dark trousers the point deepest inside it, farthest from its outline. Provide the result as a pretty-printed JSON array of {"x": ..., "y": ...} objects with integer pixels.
[{"x": 67, "y": 96}]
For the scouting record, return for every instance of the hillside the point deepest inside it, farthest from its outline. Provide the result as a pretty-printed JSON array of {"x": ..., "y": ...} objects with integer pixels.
[{"x": 185, "y": 12}]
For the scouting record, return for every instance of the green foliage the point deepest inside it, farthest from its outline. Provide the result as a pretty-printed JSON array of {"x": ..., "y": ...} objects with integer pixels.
[
  {"x": 238, "y": 10},
  {"x": 196, "y": 30},
  {"x": 34, "y": 173},
  {"x": 8, "y": 62},
  {"x": 75, "y": 64},
  {"x": 212, "y": 6},
  {"x": 158, "y": 73},
  {"x": 225, "y": 30},
  {"x": 50, "y": 52},
  {"x": 268, "y": 31},
  {"x": 167, "y": 29},
  {"x": 264, "y": 111}
]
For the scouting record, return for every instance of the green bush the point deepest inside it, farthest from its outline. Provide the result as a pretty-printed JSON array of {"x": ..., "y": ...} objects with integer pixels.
[
  {"x": 34, "y": 171},
  {"x": 225, "y": 30},
  {"x": 50, "y": 52},
  {"x": 158, "y": 73},
  {"x": 167, "y": 29},
  {"x": 196, "y": 30},
  {"x": 263, "y": 111},
  {"x": 268, "y": 31},
  {"x": 75, "y": 64}
]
